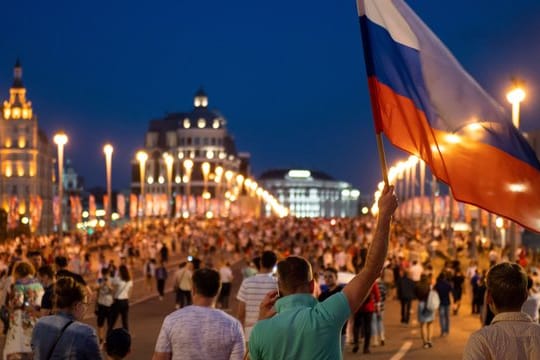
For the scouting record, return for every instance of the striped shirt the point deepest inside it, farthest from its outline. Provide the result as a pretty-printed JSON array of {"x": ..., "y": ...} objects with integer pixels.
[
  {"x": 252, "y": 292},
  {"x": 382, "y": 293}
]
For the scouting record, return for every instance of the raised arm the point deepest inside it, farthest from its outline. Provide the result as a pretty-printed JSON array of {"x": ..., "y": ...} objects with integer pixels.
[{"x": 359, "y": 287}]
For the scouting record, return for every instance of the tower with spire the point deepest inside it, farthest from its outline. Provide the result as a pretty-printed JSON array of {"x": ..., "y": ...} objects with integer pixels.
[{"x": 25, "y": 161}]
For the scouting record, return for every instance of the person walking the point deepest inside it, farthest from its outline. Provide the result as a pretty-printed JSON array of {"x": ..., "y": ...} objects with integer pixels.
[
  {"x": 457, "y": 289},
  {"x": 200, "y": 331},
  {"x": 122, "y": 286},
  {"x": 226, "y": 276},
  {"x": 362, "y": 319},
  {"x": 512, "y": 334},
  {"x": 405, "y": 293},
  {"x": 425, "y": 315},
  {"x": 443, "y": 288},
  {"x": 23, "y": 301},
  {"x": 161, "y": 278},
  {"x": 183, "y": 284},
  {"x": 104, "y": 302},
  {"x": 377, "y": 322},
  {"x": 253, "y": 290},
  {"x": 63, "y": 335}
]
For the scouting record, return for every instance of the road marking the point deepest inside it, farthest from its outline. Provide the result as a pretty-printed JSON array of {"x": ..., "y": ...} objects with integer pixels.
[{"x": 401, "y": 353}]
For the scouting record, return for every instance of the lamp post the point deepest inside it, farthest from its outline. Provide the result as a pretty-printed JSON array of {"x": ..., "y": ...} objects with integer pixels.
[
  {"x": 169, "y": 160},
  {"x": 205, "y": 168},
  {"x": 108, "y": 151},
  {"x": 239, "y": 183},
  {"x": 188, "y": 168},
  {"x": 218, "y": 177},
  {"x": 61, "y": 139},
  {"x": 142, "y": 156},
  {"x": 515, "y": 96}
]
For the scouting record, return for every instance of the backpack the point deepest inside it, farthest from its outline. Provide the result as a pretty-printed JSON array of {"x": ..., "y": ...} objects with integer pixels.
[{"x": 433, "y": 300}]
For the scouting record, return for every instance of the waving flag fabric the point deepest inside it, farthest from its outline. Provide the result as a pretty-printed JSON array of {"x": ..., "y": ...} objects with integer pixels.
[{"x": 427, "y": 105}]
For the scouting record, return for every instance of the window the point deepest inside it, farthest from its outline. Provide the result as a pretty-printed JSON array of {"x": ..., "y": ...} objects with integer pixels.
[
  {"x": 205, "y": 141},
  {"x": 196, "y": 141},
  {"x": 181, "y": 141},
  {"x": 151, "y": 139},
  {"x": 171, "y": 139},
  {"x": 213, "y": 141},
  {"x": 187, "y": 123},
  {"x": 201, "y": 123},
  {"x": 188, "y": 142}
]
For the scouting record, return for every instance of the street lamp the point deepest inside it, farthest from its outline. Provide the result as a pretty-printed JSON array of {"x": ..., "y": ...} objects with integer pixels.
[
  {"x": 188, "y": 168},
  {"x": 60, "y": 139},
  {"x": 218, "y": 178},
  {"x": 142, "y": 156},
  {"x": 515, "y": 96},
  {"x": 108, "y": 151},
  {"x": 169, "y": 160},
  {"x": 205, "y": 167}
]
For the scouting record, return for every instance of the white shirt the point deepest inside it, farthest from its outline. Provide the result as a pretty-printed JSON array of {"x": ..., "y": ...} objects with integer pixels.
[
  {"x": 252, "y": 292},
  {"x": 225, "y": 274},
  {"x": 197, "y": 332},
  {"x": 531, "y": 306},
  {"x": 415, "y": 272},
  {"x": 121, "y": 288},
  {"x": 511, "y": 335}
]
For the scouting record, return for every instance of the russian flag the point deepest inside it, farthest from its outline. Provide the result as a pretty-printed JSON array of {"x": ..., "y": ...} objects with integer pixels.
[{"x": 426, "y": 104}]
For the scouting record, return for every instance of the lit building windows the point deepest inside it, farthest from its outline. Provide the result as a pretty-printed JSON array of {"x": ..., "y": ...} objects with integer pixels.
[
  {"x": 201, "y": 123},
  {"x": 22, "y": 142},
  {"x": 215, "y": 124}
]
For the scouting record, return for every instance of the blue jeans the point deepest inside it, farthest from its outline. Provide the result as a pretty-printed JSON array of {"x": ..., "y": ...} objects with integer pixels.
[
  {"x": 444, "y": 318},
  {"x": 377, "y": 325}
]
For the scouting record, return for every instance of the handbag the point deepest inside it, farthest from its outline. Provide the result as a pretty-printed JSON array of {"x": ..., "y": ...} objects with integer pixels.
[{"x": 433, "y": 300}]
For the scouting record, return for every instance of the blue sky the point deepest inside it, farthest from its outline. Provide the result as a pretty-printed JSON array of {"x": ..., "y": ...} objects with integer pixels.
[{"x": 288, "y": 75}]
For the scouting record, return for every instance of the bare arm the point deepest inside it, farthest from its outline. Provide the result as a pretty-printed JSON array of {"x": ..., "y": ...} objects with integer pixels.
[
  {"x": 359, "y": 287},
  {"x": 242, "y": 313},
  {"x": 162, "y": 356}
]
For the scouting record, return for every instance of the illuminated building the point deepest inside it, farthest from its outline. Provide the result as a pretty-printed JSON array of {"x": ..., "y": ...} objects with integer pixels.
[
  {"x": 26, "y": 158},
  {"x": 199, "y": 135},
  {"x": 309, "y": 193}
]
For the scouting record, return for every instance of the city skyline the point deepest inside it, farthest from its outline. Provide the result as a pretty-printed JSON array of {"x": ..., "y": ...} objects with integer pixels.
[{"x": 291, "y": 84}]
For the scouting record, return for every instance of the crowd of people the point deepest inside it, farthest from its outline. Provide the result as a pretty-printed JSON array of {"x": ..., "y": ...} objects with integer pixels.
[{"x": 342, "y": 270}]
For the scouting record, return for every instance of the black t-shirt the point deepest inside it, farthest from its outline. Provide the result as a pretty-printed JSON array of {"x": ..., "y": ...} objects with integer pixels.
[
  {"x": 66, "y": 273},
  {"x": 46, "y": 300},
  {"x": 326, "y": 294}
]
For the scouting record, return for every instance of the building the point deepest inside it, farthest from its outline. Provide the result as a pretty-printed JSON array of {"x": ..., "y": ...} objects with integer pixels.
[
  {"x": 185, "y": 141},
  {"x": 309, "y": 193},
  {"x": 26, "y": 158}
]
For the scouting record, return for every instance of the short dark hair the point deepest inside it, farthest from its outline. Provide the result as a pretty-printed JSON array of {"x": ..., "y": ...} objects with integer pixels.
[
  {"x": 293, "y": 273},
  {"x": 68, "y": 292},
  {"x": 268, "y": 259},
  {"x": 507, "y": 284},
  {"x": 46, "y": 270},
  {"x": 118, "y": 343},
  {"x": 61, "y": 261},
  {"x": 206, "y": 282},
  {"x": 332, "y": 270}
]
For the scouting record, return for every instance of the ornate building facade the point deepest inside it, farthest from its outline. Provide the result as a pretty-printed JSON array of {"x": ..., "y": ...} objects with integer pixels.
[
  {"x": 186, "y": 142},
  {"x": 26, "y": 160}
]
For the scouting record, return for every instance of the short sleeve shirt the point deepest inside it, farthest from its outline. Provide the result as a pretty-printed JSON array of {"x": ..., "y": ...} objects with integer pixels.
[
  {"x": 197, "y": 332},
  {"x": 302, "y": 329}
]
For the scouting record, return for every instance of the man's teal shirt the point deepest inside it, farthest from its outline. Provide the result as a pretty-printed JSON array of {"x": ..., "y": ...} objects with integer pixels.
[{"x": 303, "y": 328}]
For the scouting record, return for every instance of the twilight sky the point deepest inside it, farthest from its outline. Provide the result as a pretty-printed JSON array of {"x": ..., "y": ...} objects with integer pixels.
[{"x": 288, "y": 75}]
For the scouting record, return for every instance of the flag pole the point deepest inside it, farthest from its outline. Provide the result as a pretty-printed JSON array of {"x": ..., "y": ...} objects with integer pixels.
[{"x": 382, "y": 158}]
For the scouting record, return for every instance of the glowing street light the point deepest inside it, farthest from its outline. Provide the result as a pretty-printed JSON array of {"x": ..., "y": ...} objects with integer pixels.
[
  {"x": 188, "y": 168},
  {"x": 169, "y": 161},
  {"x": 205, "y": 167},
  {"x": 515, "y": 97},
  {"x": 141, "y": 157},
  {"x": 108, "y": 151},
  {"x": 60, "y": 139}
]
